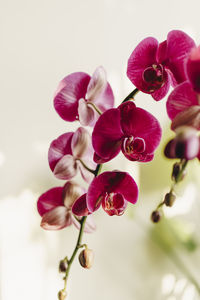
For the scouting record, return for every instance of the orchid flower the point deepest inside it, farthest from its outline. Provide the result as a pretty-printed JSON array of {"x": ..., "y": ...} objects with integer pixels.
[
  {"x": 79, "y": 97},
  {"x": 71, "y": 152},
  {"x": 54, "y": 206},
  {"x": 153, "y": 67},
  {"x": 183, "y": 104},
  {"x": 135, "y": 131},
  {"x": 112, "y": 190}
]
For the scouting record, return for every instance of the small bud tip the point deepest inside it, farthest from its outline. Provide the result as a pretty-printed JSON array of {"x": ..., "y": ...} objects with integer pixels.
[{"x": 155, "y": 216}]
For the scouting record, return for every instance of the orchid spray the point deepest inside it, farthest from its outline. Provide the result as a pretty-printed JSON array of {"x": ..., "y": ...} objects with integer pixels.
[{"x": 152, "y": 67}]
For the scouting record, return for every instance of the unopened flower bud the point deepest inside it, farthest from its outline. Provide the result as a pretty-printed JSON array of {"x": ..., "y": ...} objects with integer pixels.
[
  {"x": 63, "y": 266},
  {"x": 176, "y": 171},
  {"x": 86, "y": 258},
  {"x": 155, "y": 216},
  {"x": 62, "y": 295},
  {"x": 169, "y": 199},
  {"x": 184, "y": 145}
]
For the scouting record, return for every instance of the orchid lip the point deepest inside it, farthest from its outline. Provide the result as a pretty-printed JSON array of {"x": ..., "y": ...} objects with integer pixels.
[
  {"x": 133, "y": 145},
  {"x": 114, "y": 204},
  {"x": 153, "y": 77}
]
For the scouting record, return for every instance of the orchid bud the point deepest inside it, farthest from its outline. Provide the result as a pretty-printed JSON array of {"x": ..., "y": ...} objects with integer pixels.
[
  {"x": 86, "y": 258},
  {"x": 184, "y": 145},
  {"x": 80, "y": 142},
  {"x": 62, "y": 295},
  {"x": 169, "y": 199},
  {"x": 176, "y": 171},
  {"x": 155, "y": 216},
  {"x": 71, "y": 192},
  {"x": 187, "y": 142},
  {"x": 63, "y": 265}
]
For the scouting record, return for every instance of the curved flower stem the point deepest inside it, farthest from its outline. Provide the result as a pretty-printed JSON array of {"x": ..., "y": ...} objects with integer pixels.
[
  {"x": 179, "y": 177},
  {"x": 98, "y": 169},
  {"x": 159, "y": 240},
  {"x": 79, "y": 240},
  {"x": 86, "y": 167},
  {"x": 131, "y": 95},
  {"x": 95, "y": 107},
  {"x": 78, "y": 245}
]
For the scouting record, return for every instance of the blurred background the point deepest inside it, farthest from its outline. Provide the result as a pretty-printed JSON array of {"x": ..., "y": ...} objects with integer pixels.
[{"x": 41, "y": 42}]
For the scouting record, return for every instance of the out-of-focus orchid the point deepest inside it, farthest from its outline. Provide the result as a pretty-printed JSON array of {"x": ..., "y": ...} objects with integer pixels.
[
  {"x": 183, "y": 104},
  {"x": 135, "y": 131},
  {"x": 71, "y": 152},
  {"x": 78, "y": 95},
  {"x": 112, "y": 190},
  {"x": 153, "y": 67},
  {"x": 55, "y": 205},
  {"x": 185, "y": 145}
]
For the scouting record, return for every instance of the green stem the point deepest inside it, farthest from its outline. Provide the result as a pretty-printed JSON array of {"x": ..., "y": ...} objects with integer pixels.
[
  {"x": 131, "y": 95},
  {"x": 79, "y": 240},
  {"x": 95, "y": 107},
  {"x": 183, "y": 164},
  {"x": 86, "y": 167},
  {"x": 78, "y": 245}
]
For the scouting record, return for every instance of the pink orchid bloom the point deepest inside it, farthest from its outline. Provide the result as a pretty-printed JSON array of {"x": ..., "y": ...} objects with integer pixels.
[
  {"x": 128, "y": 128},
  {"x": 112, "y": 190},
  {"x": 54, "y": 206},
  {"x": 153, "y": 67},
  {"x": 68, "y": 154},
  {"x": 78, "y": 94},
  {"x": 183, "y": 104}
]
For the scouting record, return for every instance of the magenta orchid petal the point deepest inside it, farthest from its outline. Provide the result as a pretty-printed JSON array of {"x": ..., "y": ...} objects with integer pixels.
[
  {"x": 66, "y": 168},
  {"x": 80, "y": 142},
  {"x": 87, "y": 115},
  {"x": 106, "y": 138},
  {"x": 56, "y": 219},
  {"x": 188, "y": 117},
  {"x": 193, "y": 68},
  {"x": 58, "y": 148},
  {"x": 72, "y": 88},
  {"x": 179, "y": 45},
  {"x": 143, "y": 56},
  {"x": 97, "y": 84},
  {"x": 163, "y": 90},
  {"x": 181, "y": 98},
  {"x": 137, "y": 122},
  {"x": 99, "y": 160},
  {"x": 111, "y": 182},
  {"x": 161, "y": 54},
  {"x": 79, "y": 207},
  {"x": 49, "y": 200}
]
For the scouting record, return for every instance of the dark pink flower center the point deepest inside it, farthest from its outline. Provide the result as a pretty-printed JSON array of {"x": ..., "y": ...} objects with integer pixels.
[
  {"x": 133, "y": 147},
  {"x": 114, "y": 204},
  {"x": 154, "y": 77}
]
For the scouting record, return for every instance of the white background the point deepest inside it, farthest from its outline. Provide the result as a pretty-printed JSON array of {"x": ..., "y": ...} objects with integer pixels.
[{"x": 41, "y": 42}]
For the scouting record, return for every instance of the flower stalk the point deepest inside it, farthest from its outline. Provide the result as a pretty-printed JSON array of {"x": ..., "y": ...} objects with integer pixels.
[
  {"x": 170, "y": 197},
  {"x": 77, "y": 247},
  {"x": 131, "y": 95}
]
